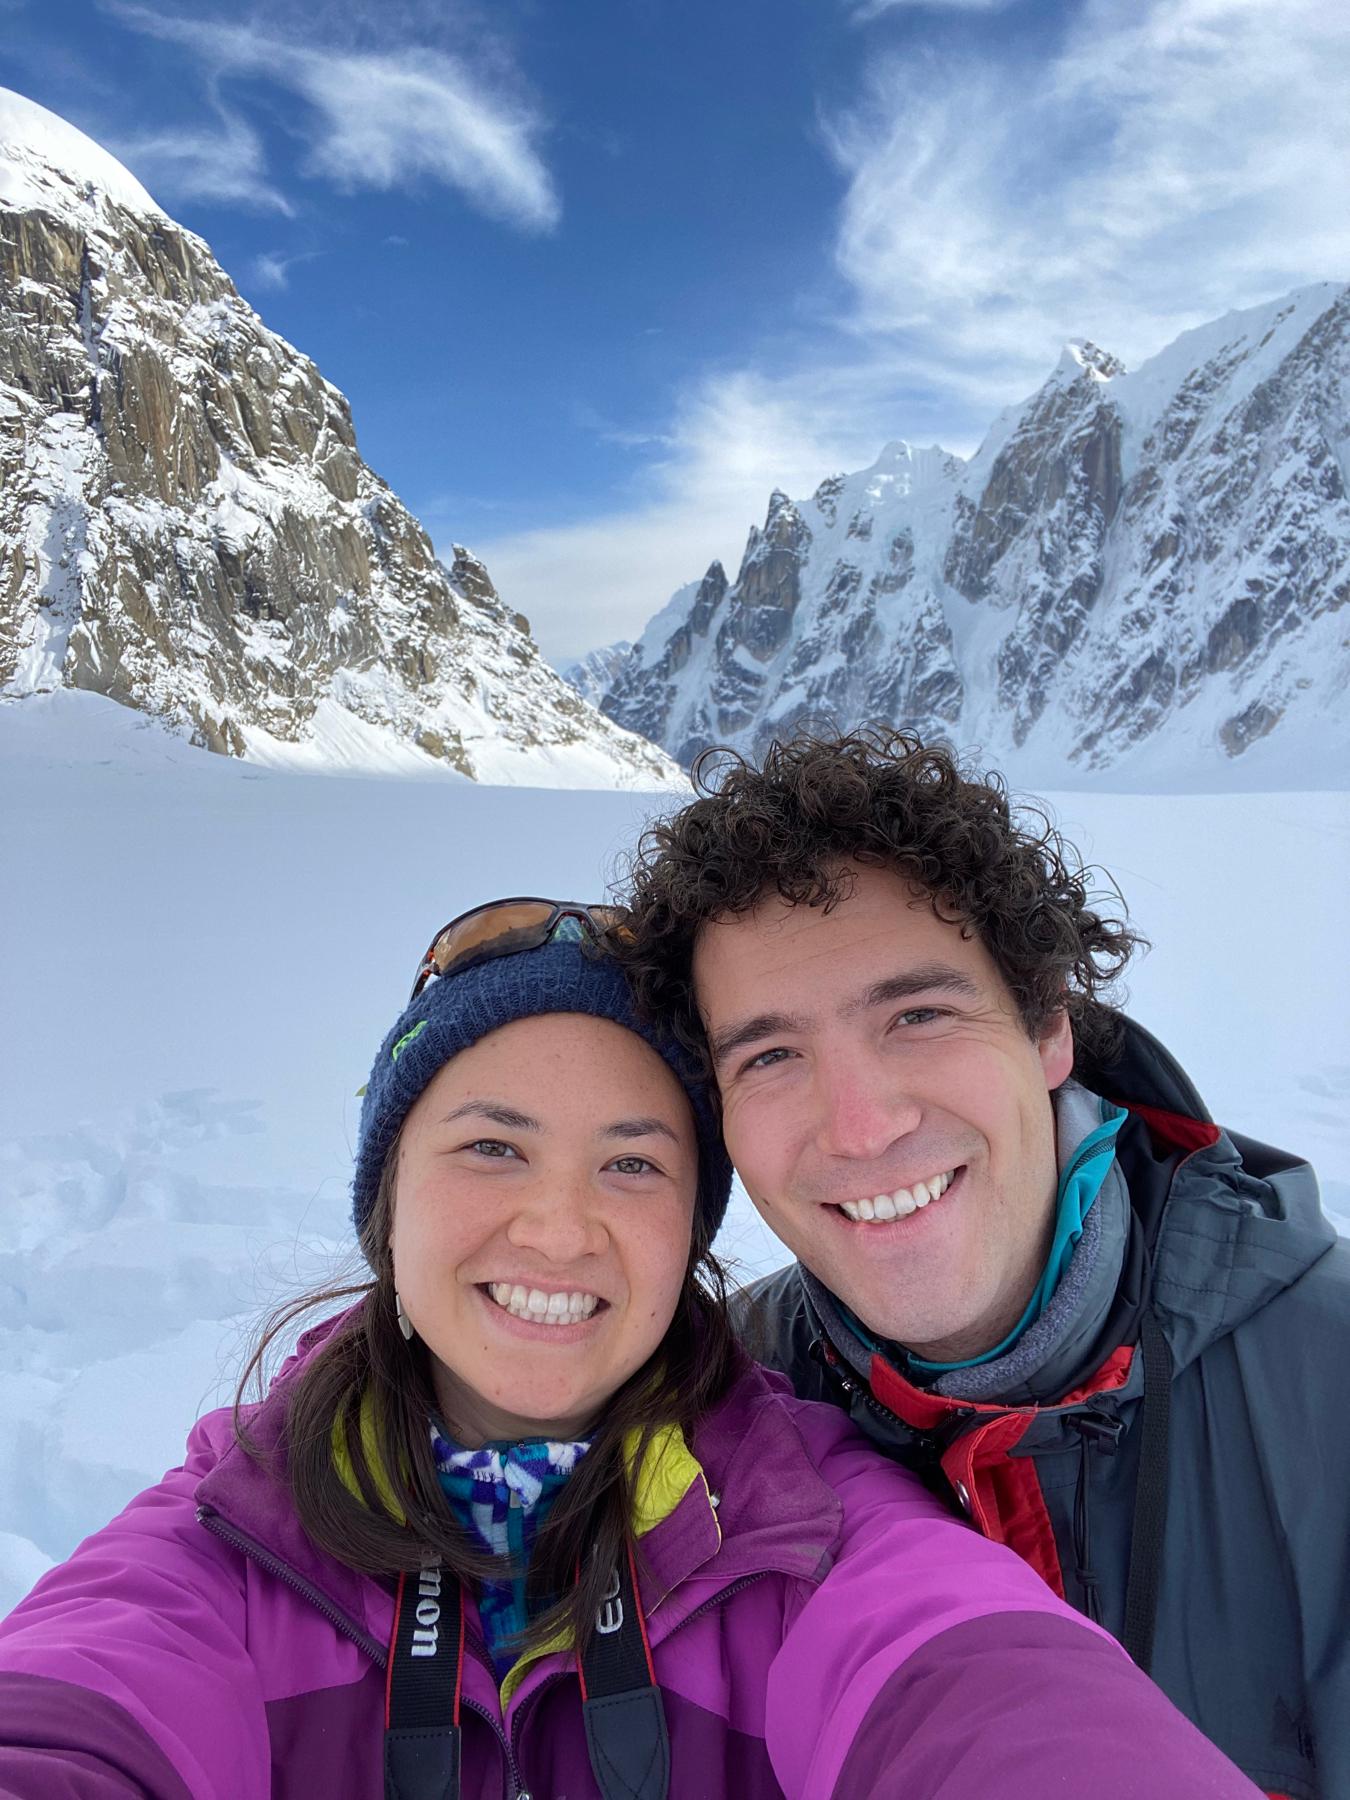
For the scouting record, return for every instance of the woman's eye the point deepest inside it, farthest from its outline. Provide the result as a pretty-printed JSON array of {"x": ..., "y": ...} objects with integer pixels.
[
  {"x": 631, "y": 1165},
  {"x": 491, "y": 1147}
]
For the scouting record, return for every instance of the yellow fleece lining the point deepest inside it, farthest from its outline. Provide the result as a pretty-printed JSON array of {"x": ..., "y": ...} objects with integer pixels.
[{"x": 370, "y": 1444}]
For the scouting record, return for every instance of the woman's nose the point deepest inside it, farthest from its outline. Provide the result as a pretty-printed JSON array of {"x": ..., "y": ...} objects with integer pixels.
[{"x": 559, "y": 1220}]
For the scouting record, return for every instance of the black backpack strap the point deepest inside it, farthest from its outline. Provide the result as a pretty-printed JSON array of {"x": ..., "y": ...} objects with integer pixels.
[
  {"x": 625, "y": 1718},
  {"x": 426, "y": 1673},
  {"x": 1150, "y": 1494}
]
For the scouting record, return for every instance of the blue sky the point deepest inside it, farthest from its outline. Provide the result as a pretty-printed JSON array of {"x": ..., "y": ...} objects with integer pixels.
[{"x": 597, "y": 274}]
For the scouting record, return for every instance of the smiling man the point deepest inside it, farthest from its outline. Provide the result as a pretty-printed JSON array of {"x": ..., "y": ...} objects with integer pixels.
[{"x": 1029, "y": 1264}]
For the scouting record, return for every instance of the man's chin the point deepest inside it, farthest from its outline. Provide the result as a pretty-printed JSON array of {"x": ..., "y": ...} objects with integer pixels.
[{"x": 919, "y": 1322}]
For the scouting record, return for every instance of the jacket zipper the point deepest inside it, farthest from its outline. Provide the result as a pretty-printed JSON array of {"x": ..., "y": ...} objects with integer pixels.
[
  {"x": 925, "y": 1440},
  {"x": 504, "y": 1738},
  {"x": 373, "y": 1648},
  {"x": 250, "y": 1547},
  {"x": 716, "y": 1600}
]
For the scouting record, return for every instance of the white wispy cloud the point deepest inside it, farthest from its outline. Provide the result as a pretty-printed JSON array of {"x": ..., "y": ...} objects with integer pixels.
[
  {"x": 385, "y": 117},
  {"x": 271, "y": 269},
  {"x": 1171, "y": 160},
  {"x": 735, "y": 437},
  {"x": 223, "y": 163}
]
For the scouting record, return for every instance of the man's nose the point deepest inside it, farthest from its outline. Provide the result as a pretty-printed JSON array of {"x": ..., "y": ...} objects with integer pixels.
[
  {"x": 559, "y": 1220},
  {"x": 862, "y": 1107}
]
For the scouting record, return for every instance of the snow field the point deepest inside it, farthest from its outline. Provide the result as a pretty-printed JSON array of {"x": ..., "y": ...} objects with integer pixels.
[{"x": 201, "y": 956}]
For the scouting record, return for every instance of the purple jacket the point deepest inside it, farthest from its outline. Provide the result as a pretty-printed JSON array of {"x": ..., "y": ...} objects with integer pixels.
[{"x": 820, "y": 1626}]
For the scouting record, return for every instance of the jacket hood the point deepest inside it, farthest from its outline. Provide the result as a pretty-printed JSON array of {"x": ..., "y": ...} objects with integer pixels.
[
  {"x": 1142, "y": 1071},
  {"x": 1240, "y": 1221}
]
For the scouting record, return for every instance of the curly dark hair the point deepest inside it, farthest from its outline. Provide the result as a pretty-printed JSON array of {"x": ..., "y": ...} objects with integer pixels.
[{"x": 883, "y": 798}]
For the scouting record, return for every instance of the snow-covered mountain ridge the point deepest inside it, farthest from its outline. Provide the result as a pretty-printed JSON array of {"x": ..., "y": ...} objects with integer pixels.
[
  {"x": 186, "y": 524},
  {"x": 1140, "y": 572}
]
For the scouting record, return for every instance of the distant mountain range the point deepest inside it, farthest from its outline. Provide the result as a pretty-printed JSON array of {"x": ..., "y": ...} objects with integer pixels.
[
  {"x": 1140, "y": 573},
  {"x": 1139, "y": 577},
  {"x": 186, "y": 524}
]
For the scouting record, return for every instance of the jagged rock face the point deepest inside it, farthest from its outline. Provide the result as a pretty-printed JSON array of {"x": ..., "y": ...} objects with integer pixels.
[
  {"x": 592, "y": 674},
  {"x": 186, "y": 524},
  {"x": 825, "y": 622},
  {"x": 1133, "y": 565}
]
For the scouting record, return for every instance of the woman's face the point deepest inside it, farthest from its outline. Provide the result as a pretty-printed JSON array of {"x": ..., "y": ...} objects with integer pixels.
[{"x": 543, "y": 1207}]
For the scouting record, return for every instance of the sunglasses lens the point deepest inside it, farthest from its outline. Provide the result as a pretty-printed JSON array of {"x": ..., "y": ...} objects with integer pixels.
[
  {"x": 466, "y": 937},
  {"x": 510, "y": 925}
]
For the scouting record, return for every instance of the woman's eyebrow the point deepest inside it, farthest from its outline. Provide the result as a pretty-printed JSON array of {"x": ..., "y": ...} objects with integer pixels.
[
  {"x": 496, "y": 1110},
  {"x": 638, "y": 1128}
]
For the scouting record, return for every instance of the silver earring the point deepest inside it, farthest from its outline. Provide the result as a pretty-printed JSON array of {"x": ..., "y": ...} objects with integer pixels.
[{"x": 405, "y": 1324}]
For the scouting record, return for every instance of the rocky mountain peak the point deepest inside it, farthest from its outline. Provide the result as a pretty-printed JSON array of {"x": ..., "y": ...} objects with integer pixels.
[
  {"x": 1141, "y": 571},
  {"x": 1080, "y": 355},
  {"x": 187, "y": 526}
]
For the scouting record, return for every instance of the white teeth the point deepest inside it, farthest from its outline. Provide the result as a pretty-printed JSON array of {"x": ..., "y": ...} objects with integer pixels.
[
  {"x": 900, "y": 1204},
  {"x": 542, "y": 1308}
]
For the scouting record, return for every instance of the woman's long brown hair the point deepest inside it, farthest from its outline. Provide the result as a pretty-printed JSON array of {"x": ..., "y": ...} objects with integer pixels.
[{"x": 589, "y": 1525}]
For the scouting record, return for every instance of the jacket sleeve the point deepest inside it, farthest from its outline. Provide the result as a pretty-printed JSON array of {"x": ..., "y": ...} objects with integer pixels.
[
  {"x": 934, "y": 1665},
  {"x": 125, "y": 1672}
]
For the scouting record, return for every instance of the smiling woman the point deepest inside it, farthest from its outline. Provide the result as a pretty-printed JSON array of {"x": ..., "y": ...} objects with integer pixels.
[
  {"x": 523, "y": 1520},
  {"x": 556, "y": 1233}
]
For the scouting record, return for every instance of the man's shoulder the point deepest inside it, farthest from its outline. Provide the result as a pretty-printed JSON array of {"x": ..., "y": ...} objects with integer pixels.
[
  {"x": 1308, "y": 1320},
  {"x": 773, "y": 1320}
]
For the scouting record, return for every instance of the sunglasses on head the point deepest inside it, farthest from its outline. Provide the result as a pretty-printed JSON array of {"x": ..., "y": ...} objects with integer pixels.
[{"x": 503, "y": 927}]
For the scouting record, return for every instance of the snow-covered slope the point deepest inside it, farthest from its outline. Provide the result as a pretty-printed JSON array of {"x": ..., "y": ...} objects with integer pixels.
[
  {"x": 202, "y": 955},
  {"x": 186, "y": 524},
  {"x": 1140, "y": 573}
]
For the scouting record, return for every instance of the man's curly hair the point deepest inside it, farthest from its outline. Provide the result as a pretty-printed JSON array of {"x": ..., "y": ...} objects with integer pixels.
[{"x": 885, "y": 799}]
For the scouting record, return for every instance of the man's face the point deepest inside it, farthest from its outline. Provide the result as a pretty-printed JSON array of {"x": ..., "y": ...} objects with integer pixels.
[{"x": 872, "y": 1062}]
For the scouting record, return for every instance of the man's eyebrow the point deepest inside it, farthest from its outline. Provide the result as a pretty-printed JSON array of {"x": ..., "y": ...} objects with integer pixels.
[
  {"x": 638, "y": 1128},
  {"x": 928, "y": 978},
  {"x": 731, "y": 1038},
  {"x": 496, "y": 1110}
]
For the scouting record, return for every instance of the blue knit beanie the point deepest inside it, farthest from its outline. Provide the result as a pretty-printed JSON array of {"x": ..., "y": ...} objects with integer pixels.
[{"x": 562, "y": 976}]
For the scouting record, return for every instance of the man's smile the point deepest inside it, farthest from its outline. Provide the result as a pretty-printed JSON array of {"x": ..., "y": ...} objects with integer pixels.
[{"x": 882, "y": 1208}]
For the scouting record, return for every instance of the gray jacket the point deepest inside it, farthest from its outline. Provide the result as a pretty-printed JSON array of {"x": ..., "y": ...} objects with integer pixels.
[{"x": 1222, "y": 1240}]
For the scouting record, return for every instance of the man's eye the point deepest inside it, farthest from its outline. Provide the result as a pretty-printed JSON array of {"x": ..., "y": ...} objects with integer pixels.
[
  {"x": 765, "y": 1059},
  {"x": 919, "y": 1015}
]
